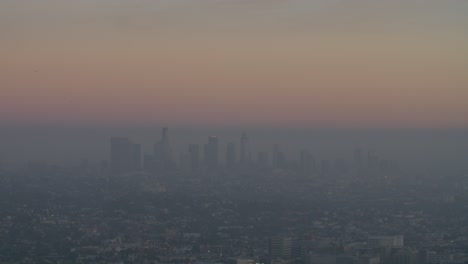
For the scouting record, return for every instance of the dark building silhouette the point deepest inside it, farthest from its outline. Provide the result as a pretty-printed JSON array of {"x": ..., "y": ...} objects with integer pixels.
[
  {"x": 231, "y": 155},
  {"x": 211, "y": 153},
  {"x": 162, "y": 151},
  {"x": 244, "y": 144},
  {"x": 125, "y": 156}
]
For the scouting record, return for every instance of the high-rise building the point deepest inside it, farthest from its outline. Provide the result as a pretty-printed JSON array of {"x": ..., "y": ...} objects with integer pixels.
[
  {"x": 244, "y": 144},
  {"x": 194, "y": 153},
  {"x": 231, "y": 155},
  {"x": 164, "y": 136},
  {"x": 162, "y": 151},
  {"x": 211, "y": 153},
  {"x": 125, "y": 156}
]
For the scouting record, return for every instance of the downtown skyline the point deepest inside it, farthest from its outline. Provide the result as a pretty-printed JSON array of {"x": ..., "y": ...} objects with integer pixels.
[
  {"x": 211, "y": 158},
  {"x": 234, "y": 131}
]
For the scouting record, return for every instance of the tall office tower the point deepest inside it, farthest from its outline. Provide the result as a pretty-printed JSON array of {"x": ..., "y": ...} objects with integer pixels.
[
  {"x": 231, "y": 155},
  {"x": 307, "y": 162},
  {"x": 244, "y": 144},
  {"x": 211, "y": 153},
  {"x": 162, "y": 150},
  {"x": 194, "y": 152},
  {"x": 124, "y": 155},
  {"x": 164, "y": 136}
]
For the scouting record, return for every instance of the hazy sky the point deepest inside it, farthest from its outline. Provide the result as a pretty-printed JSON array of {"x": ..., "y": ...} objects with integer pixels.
[{"x": 317, "y": 63}]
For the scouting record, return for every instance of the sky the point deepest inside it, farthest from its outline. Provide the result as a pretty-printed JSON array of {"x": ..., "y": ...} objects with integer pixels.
[{"x": 306, "y": 63}]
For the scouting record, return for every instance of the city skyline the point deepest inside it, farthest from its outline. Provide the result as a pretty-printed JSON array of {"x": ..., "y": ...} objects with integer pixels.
[
  {"x": 70, "y": 144},
  {"x": 234, "y": 131},
  {"x": 126, "y": 157}
]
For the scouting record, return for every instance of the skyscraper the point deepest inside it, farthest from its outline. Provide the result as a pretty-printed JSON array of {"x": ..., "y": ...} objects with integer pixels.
[
  {"x": 162, "y": 151},
  {"x": 244, "y": 144},
  {"x": 211, "y": 153},
  {"x": 164, "y": 136},
  {"x": 125, "y": 156},
  {"x": 231, "y": 155}
]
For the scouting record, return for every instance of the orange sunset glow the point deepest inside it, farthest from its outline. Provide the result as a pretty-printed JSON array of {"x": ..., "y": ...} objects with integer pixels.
[{"x": 308, "y": 63}]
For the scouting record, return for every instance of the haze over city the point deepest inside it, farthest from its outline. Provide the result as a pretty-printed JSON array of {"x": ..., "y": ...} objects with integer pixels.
[{"x": 234, "y": 131}]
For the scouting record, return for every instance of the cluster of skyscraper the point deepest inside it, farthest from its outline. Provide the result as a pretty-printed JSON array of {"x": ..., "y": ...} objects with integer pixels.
[{"x": 126, "y": 157}]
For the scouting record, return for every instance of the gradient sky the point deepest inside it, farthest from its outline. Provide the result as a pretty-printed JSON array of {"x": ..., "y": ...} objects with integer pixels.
[{"x": 315, "y": 63}]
